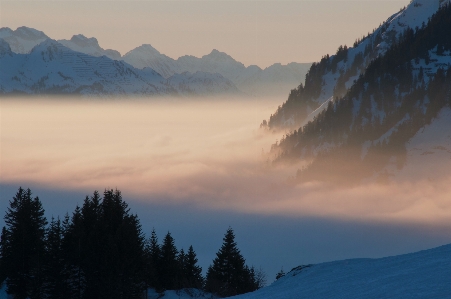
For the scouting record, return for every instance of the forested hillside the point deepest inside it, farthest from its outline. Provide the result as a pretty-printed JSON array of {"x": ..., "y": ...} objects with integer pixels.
[
  {"x": 334, "y": 75},
  {"x": 399, "y": 93}
]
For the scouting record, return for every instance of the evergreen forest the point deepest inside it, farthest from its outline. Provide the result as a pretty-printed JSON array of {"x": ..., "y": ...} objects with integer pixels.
[{"x": 100, "y": 251}]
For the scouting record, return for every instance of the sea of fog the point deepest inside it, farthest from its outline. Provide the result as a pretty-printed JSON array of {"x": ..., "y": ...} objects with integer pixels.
[{"x": 196, "y": 166}]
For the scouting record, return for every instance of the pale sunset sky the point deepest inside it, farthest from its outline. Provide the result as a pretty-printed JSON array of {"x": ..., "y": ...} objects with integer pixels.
[{"x": 252, "y": 32}]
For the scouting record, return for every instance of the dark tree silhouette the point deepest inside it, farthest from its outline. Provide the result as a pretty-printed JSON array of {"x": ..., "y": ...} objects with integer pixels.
[
  {"x": 22, "y": 246},
  {"x": 229, "y": 275}
]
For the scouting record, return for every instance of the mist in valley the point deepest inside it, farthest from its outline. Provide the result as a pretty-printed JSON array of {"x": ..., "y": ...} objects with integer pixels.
[{"x": 196, "y": 166}]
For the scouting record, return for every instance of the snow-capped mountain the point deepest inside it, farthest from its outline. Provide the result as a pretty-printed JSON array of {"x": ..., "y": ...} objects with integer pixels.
[
  {"x": 333, "y": 75},
  {"x": 423, "y": 274},
  {"x": 54, "y": 68},
  {"x": 398, "y": 94},
  {"x": 274, "y": 80},
  {"x": 23, "y": 39},
  {"x": 147, "y": 56},
  {"x": 90, "y": 46}
]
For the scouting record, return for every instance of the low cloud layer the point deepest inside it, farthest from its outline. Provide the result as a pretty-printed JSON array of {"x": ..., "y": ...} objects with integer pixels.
[{"x": 205, "y": 154}]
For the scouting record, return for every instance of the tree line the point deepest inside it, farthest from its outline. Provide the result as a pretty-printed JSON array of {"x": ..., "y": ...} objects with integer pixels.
[{"x": 100, "y": 251}]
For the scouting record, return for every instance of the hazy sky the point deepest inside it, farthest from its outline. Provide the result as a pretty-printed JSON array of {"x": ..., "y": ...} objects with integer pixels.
[{"x": 253, "y": 32}]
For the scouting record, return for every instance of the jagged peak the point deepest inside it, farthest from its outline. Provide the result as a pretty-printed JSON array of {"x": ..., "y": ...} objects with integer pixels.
[
  {"x": 146, "y": 48},
  {"x": 83, "y": 41},
  {"x": 29, "y": 33},
  {"x": 218, "y": 55},
  {"x": 46, "y": 44}
]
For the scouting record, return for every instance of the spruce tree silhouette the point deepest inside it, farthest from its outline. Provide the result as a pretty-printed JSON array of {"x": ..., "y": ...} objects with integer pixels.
[
  {"x": 22, "y": 246},
  {"x": 229, "y": 276}
]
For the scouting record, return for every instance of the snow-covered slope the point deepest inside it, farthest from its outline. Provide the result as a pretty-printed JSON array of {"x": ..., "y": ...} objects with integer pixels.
[
  {"x": 54, "y": 68},
  {"x": 23, "y": 39},
  {"x": 90, "y": 46},
  {"x": 424, "y": 274}
]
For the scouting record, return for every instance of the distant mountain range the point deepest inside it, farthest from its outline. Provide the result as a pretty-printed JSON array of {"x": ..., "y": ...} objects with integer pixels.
[
  {"x": 51, "y": 68},
  {"x": 215, "y": 73},
  {"x": 362, "y": 108},
  {"x": 275, "y": 80}
]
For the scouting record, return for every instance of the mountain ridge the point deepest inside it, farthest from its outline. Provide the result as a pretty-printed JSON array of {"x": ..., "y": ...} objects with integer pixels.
[
  {"x": 51, "y": 68},
  {"x": 274, "y": 80}
]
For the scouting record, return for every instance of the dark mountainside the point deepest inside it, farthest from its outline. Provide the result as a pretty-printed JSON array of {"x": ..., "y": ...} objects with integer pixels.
[{"x": 399, "y": 93}]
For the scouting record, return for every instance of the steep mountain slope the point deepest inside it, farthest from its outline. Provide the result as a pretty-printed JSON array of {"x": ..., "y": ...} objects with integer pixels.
[
  {"x": 23, "y": 39},
  {"x": 333, "y": 75},
  {"x": 90, "y": 46},
  {"x": 399, "y": 93},
  {"x": 423, "y": 274},
  {"x": 54, "y": 68}
]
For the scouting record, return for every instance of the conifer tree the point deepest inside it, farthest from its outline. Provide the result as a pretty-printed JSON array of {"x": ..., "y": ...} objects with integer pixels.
[
  {"x": 56, "y": 276},
  {"x": 22, "y": 246},
  {"x": 181, "y": 281},
  {"x": 153, "y": 254},
  {"x": 72, "y": 248},
  {"x": 168, "y": 263},
  {"x": 193, "y": 271},
  {"x": 229, "y": 276}
]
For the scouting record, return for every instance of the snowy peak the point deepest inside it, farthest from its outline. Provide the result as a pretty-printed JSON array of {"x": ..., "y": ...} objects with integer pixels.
[
  {"x": 82, "y": 41},
  {"x": 147, "y": 56},
  {"x": 52, "y": 68},
  {"x": 23, "y": 39},
  {"x": 23, "y": 32},
  {"x": 46, "y": 45},
  {"x": 218, "y": 56},
  {"x": 147, "y": 49},
  {"x": 90, "y": 46}
]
